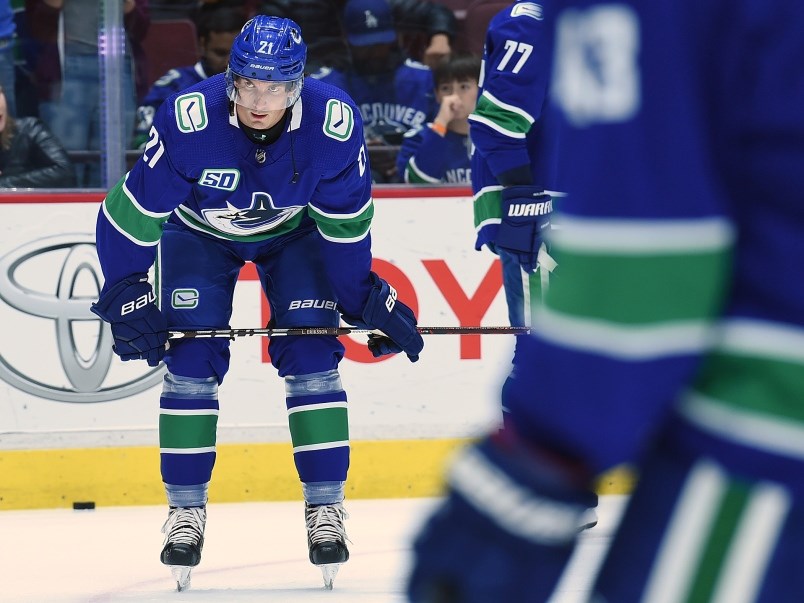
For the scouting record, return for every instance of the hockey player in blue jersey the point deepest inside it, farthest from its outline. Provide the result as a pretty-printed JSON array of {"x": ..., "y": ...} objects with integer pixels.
[
  {"x": 217, "y": 28},
  {"x": 252, "y": 165},
  {"x": 514, "y": 163},
  {"x": 394, "y": 93},
  {"x": 673, "y": 340},
  {"x": 439, "y": 152}
]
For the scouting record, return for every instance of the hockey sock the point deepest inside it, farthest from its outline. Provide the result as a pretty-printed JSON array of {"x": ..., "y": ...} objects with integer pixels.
[
  {"x": 319, "y": 427},
  {"x": 323, "y": 493},
  {"x": 188, "y": 419}
]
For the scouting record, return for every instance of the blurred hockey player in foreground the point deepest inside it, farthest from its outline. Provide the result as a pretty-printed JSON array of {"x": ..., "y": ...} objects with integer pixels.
[
  {"x": 253, "y": 164},
  {"x": 673, "y": 338}
]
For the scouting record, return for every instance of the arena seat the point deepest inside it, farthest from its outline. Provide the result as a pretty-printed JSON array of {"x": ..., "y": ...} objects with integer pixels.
[{"x": 169, "y": 43}]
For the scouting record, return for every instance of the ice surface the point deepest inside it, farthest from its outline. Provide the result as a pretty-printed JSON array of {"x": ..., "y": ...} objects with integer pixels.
[{"x": 253, "y": 552}]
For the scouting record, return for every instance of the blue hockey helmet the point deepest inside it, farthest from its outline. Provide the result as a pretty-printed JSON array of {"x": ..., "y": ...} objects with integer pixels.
[{"x": 267, "y": 49}]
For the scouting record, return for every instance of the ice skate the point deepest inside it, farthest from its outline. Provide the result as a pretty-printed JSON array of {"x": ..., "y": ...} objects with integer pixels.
[
  {"x": 184, "y": 539},
  {"x": 326, "y": 539}
]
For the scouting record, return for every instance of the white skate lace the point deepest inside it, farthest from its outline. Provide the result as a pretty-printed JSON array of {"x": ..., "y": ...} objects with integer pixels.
[
  {"x": 185, "y": 525},
  {"x": 325, "y": 523}
]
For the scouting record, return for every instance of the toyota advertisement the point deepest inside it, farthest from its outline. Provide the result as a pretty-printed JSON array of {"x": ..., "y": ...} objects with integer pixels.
[{"x": 61, "y": 385}]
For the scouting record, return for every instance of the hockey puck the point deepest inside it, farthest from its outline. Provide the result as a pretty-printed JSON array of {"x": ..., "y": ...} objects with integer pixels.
[{"x": 83, "y": 505}]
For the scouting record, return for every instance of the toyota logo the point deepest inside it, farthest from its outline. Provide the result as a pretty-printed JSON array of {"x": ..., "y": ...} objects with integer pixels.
[{"x": 70, "y": 258}]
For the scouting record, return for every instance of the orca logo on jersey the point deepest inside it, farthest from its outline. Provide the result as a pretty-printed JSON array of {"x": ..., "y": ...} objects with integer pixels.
[
  {"x": 263, "y": 215},
  {"x": 225, "y": 180},
  {"x": 340, "y": 120},
  {"x": 191, "y": 112}
]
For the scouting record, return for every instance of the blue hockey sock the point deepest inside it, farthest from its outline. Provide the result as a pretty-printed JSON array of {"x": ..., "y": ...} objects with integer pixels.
[
  {"x": 319, "y": 427},
  {"x": 188, "y": 420}
]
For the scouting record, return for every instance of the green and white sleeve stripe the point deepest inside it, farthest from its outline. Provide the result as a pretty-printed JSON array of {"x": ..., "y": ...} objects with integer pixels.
[
  {"x": 747, "y": 391},
  {"x": 132, "y": 220},
  {"x": 344, "y": 228},
  {"x": 414, "y": 175},
  {"x": 506, "y": 119},
  {"x": 636, "y": 289}
]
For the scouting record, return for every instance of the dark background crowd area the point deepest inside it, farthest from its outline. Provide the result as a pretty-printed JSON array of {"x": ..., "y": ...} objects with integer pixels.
[{"x": 164, "y": 35}]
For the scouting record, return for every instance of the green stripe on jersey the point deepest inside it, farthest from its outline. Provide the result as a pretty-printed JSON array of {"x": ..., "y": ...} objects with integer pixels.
[
  {"x": 318, "y": 426},
  {"x": 762, "y": 386},
  {"x": 504, "y": 118},
  {"x": 721, "y": 535},
  {"x": 187, "y": 431},
  {"x": 488, "y": 206},
  {"x": 413, "y": 175},
  {"x": 144, "y": 228},
  {"x": 639, "y": 289},
  {"x": 353, "y": 226}
]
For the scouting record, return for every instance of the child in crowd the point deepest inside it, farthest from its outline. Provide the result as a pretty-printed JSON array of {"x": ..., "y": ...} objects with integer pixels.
[{"x": 439, "y": 152}]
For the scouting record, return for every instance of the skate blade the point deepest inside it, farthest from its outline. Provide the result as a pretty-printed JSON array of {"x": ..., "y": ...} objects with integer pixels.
[
  {"x": 329, "y": 571},
  {"x": 181, "y": 574}
]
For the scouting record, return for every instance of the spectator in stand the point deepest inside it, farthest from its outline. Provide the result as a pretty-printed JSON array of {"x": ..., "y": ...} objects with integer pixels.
[
  {"x": 439, "y": 152},
  {"x": 30, "y": 156},
  {"x": 321, "y": 24},
  {"x": 68, "y": 71},
  {"x": 394, "y": 93},
  {"x": 7, "y": 28},
  {"x": 217, "y": 27}
]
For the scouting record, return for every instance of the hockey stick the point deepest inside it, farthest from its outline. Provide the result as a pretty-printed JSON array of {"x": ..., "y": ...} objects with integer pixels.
[{"x": 268, "y": 332}]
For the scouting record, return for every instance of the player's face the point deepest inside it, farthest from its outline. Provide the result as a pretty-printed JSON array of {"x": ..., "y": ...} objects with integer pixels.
[
  {"x": 264, "y": 97},
  {"x": 466, "y": 90},
  {"x": 215, "y": 50}
]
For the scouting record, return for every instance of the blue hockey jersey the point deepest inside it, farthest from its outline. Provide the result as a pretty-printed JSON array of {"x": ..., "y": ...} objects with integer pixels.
[
  {"x": 199, "y": 169},
  {"x": 400, "y": 99},
  {"x": 175, "y": 80},
  {"x": 510, "y": 128},
  {"x": 681, "y": 289},
  {"x": 425, "y": 157}
]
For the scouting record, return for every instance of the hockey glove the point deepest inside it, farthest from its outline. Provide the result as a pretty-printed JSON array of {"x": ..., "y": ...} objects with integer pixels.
[
  {"x": 138, "y": 327},
  {"x": 505, "y": 531},
  {"x": 383, "y": 311},
  {"x": 525, "y": 221}
]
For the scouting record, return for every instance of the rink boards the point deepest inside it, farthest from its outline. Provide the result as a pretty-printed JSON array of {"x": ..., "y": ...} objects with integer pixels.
[{"x": 78, "y": 425}]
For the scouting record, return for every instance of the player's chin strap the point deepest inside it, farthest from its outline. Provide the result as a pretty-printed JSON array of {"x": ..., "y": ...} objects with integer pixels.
[{"x": 546, "y": 266}]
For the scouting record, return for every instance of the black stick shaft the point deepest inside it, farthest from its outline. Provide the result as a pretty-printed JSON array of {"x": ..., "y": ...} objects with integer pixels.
[{"x": 268, "y": 332}]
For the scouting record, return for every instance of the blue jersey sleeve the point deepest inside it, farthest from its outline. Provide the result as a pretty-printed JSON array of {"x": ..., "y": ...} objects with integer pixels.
[
  {"x": 130, "y": 222},
  {"x": 424, "y": 157},
  {"x": 514, "y": 82},
  {"x": 343, "y": 209}
]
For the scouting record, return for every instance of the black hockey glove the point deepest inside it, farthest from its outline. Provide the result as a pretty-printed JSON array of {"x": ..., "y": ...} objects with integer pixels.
[
  {"x": 138, "y": 327},
  {"x": 383, "y": 311},
  {"x": 525, "y": 221},
  {"x": 505, "y": 531}
]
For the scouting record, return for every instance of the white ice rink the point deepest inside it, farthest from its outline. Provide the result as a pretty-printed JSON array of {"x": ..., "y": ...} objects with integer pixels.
[{"x": 253, "y": 552}]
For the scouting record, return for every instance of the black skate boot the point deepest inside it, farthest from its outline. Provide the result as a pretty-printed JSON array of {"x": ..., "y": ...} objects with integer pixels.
[
  {"x": 184, "y": 539},
  {"x": 326, "y": 538}
]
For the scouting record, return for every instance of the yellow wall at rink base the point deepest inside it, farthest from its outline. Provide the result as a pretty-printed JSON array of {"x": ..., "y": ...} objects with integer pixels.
[{"x": 38, "y": 479}]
